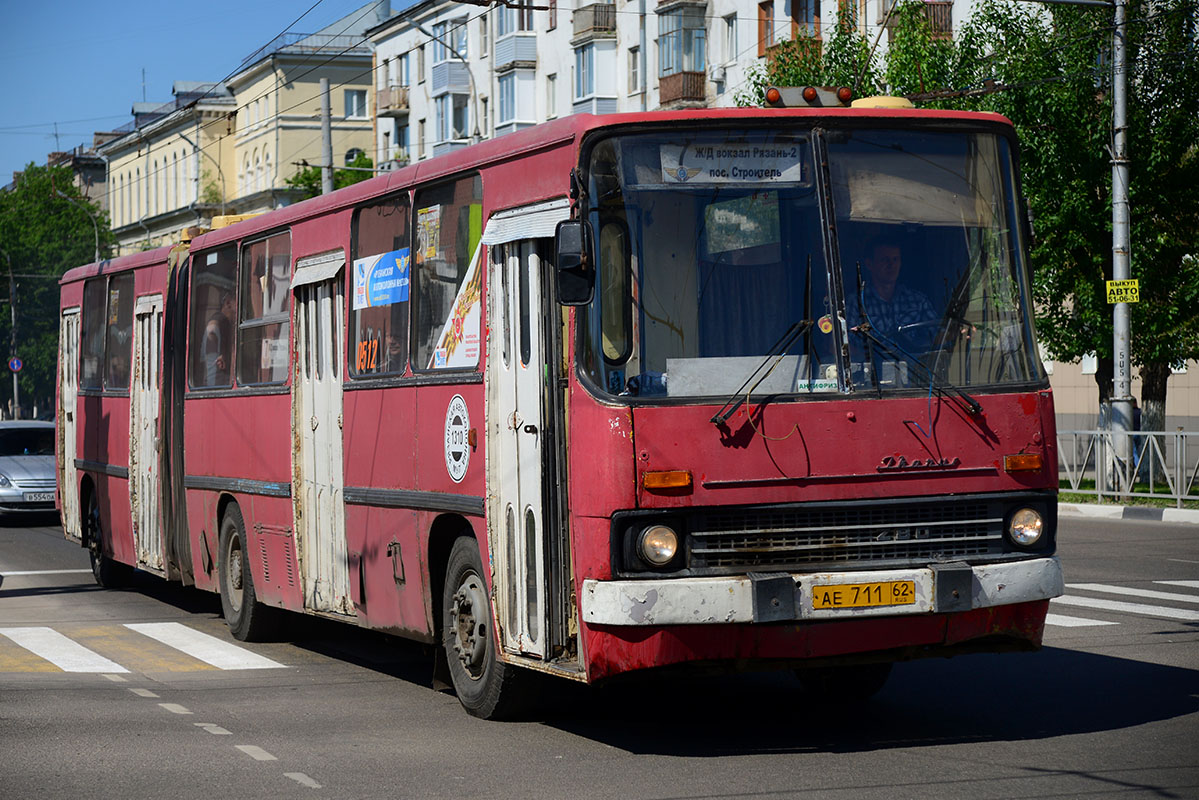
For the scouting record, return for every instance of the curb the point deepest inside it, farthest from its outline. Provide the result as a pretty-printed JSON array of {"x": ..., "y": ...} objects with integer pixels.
[{"x": 1137, "y": 513}]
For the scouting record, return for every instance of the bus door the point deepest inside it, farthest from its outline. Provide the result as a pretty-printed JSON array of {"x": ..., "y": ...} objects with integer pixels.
[
  {"x": 144, "y": 442},
  {"x": 515, "y": 451},
  {"x": 68, "y": 394},
  {"x": 317, "y": 471}
]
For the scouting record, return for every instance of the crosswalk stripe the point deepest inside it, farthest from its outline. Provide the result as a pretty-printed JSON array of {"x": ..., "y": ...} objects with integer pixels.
[
  {"x": 1074, "y": 622},
  {"x": 208, "y": 649},
  {"x": 1129, "y": 608},
  {"x": 1182, "y": 584},
  {"x": 1147, "y": 594},
  {"x": 67, "y": 655}
]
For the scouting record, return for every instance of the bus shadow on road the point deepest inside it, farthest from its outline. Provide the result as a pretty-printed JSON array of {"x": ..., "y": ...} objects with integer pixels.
[{"x": 1054, "y": 692}]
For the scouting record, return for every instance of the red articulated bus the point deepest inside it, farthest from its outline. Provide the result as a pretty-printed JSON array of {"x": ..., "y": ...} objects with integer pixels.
[{"x": 741, "y": 387}]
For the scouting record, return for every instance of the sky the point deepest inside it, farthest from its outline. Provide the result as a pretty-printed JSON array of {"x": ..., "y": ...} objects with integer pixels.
[{"x": 80, "y": 64}]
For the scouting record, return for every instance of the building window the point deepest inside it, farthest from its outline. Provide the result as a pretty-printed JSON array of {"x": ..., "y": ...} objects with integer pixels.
[
  {"x": 484, "y": 31},
  {"x": 765, "y": 26},
  {"x": 585, "y": 72},
  {"x": 452, "y": 117},
  {"x": 805, "y": 18},
  {"x": 420, "y": 139},
  {"x": 355, "y": 103},
  {"x": 551, "y": 96},
  {"x": 439, "y": 49},
  {"x": 484, "y": 117},
  {"x": 507, "y": 86},
  {"x": 730, "y": 38},
  {"x": 681, "y": 43},
  {"x": 401, "y": 145},
  {"x": 352, "y": 154},
  {"x": 402, "y": 69},
  {"x": 513, "y": 20},
  {"x": 420, "y": 64},
  {"x": 552, "y": 14},
  {"x": 634, "y": 70}
]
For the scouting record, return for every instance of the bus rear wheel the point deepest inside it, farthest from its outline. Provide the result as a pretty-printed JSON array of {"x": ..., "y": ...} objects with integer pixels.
[
  {"x": 109, "y": 573},
  {"x": 248, "y": 619},
  {"x": 485, "y": 686}
]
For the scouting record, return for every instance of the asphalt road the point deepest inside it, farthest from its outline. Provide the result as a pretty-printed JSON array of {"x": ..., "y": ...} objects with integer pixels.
[{"x": 1110, "y": 706}]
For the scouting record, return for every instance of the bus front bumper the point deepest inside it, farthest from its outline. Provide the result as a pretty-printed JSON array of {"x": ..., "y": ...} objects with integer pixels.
[{"x": 779, "y": 597}]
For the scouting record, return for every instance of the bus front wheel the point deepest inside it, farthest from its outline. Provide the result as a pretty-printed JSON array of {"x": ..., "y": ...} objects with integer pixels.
[
  {"x": 485, "y": 686},
  {"x": 248, "y": 619}
]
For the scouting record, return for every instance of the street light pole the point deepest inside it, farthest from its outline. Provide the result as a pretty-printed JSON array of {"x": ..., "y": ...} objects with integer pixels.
[
  {"x": 1121, "y": 416},
  {"x": 12, "y": 339}
]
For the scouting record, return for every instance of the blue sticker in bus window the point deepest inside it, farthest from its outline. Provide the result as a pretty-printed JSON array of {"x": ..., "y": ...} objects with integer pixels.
[{"x": 382, "y": 280}]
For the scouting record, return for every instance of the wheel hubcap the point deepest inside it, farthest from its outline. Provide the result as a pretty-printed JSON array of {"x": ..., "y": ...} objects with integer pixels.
[
  {"x": 233, "y": 572},
  {"x": 468, "y": 614}
]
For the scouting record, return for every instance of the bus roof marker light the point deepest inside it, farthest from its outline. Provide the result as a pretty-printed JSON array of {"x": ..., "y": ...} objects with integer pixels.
[
  {"x": 773, "y": 96},
  {"x": 809, "y": 94},
  {"x": 845, "y": 94}
]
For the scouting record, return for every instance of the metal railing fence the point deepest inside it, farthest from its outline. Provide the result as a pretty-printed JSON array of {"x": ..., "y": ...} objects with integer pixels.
[{"x": 1111, "y": 465}]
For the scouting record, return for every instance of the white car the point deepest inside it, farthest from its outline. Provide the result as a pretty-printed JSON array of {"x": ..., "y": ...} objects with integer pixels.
[{"x": 27, "y": 473}]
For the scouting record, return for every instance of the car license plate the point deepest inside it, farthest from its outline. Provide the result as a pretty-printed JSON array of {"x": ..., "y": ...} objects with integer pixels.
[
  {"x": 863, "y": 595},
  {"x": 38, "y": 497}
]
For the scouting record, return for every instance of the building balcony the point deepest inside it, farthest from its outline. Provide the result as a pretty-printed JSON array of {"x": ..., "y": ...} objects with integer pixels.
[
  {"x": 689, "y": 86},
  {"x": 392, "y": 101},
  {"x": 450, "y": 77},
  {"x": 595, "y": 20},
  {"x": 515, "y": 50},
  {"x": 938, "y": 13}
]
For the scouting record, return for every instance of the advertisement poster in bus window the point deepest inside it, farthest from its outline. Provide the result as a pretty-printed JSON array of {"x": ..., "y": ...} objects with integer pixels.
[
  {"x": 458, "y": 342},
  {"x": 382, "y": 279},
  {"x": 428, "y": 231}
]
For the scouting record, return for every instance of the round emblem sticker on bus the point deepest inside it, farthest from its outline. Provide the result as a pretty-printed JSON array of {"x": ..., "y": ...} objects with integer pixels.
[{"x": 457, "y": 446}]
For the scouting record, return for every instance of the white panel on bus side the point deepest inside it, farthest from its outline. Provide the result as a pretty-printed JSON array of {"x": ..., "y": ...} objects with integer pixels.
[
  {"x": 68, "y": 425},
  {"x": 144, "y": 491},
  {"x": 317, "y": 472}
]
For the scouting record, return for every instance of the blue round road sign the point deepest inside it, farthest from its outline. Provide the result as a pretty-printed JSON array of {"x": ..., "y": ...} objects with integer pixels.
[{"x": 15, "y": 364}]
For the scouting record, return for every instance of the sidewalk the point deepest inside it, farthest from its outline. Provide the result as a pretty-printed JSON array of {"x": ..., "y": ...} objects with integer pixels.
[{"x": 1139, "y": 513}]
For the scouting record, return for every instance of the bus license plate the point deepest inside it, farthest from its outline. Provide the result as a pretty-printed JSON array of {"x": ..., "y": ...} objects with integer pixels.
[
  {"x": 38, "y": 497},
  {"x": 863, "y": 595}
]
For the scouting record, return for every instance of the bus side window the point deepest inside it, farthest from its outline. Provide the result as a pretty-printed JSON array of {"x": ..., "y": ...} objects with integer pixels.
[
  {"x": 263, "y": 329},
  {"x": 213, "y": 318},
  {"x": 382, "y": 266},
  {"x": 118, "y": 348},
  {"x": 91, "y": 355}
]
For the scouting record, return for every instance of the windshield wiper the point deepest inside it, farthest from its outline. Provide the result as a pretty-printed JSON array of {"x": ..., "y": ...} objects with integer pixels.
[
  {"x": 772, "y": 358},
  {"x": 942, "y": 386}
]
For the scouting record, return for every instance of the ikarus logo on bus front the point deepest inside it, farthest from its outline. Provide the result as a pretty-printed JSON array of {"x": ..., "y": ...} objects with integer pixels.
[{"x": 457, "y": 445}]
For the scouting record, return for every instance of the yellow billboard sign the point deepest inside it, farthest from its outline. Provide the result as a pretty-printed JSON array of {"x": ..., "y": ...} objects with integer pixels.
[{"x": 1123, "y": 292}]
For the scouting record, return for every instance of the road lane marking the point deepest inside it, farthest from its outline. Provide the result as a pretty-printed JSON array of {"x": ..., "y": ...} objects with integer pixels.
[
  {"x": 116, "y": 678},
  {"x": 302, "y": 779},
  {"x": 136, "y": 652},
  {"x": 143, "y": 693},
  {"x": 61, "y": 651},
  {"x": 213, "y": 728},
  {"x": 1129, "y": 608},
  {"x": 1074, "y": 622},
  {"x": 208, "y": 649},
  {"x": 1148, "y": 594},
  {"x": 174, "y": 708},
  {"x": 1183, "y": 560},
  {"x": 16, "y": 572},
  {"x": 256, "y": 753},
  {"x": 1183, "y": 584}
]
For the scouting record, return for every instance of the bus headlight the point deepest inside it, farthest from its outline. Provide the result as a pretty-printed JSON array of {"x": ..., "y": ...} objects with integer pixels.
[
  {"x": 658, "y": 545},
  {"x": 1025, "y": 527}
]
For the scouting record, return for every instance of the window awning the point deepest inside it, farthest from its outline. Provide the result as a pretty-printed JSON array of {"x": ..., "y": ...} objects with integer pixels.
[{"x": 530, "y": 222}]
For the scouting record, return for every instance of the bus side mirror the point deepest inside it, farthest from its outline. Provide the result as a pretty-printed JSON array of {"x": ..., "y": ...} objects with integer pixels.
[{"x": 576, "y": 270}]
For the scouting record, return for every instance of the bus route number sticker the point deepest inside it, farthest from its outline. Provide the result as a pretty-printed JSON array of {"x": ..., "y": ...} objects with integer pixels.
[{"x": 457, "y": 445}]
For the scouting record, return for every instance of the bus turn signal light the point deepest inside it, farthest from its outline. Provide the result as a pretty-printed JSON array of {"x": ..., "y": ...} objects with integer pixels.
[
  {"x": 667, "y": 479},
  {"x": 773, "y": 96},
  {"x": 1023, "y": 462},
  {"x": 845, "y": 94},
  {"x": 809, "y": 94}
]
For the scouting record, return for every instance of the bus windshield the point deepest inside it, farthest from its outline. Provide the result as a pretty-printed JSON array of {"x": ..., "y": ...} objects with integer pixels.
[{"x": 723, "y": 253}]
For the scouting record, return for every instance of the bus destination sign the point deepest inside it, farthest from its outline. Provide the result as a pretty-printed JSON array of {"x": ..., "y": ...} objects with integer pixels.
[{"x": 719, "y": 162}]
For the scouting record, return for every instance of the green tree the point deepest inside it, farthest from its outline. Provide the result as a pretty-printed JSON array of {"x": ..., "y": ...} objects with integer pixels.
[
  {"x": 308, "y": 179},
  {"x": 42, "y": 235}
]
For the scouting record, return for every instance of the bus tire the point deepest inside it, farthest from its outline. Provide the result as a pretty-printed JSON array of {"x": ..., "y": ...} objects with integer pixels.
[
  {"x": 108, "y": 572},
  {"x": 248, "y": 619},
  {"x": 486, "y": 687},
  {"x": 851, "y": 683}
]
